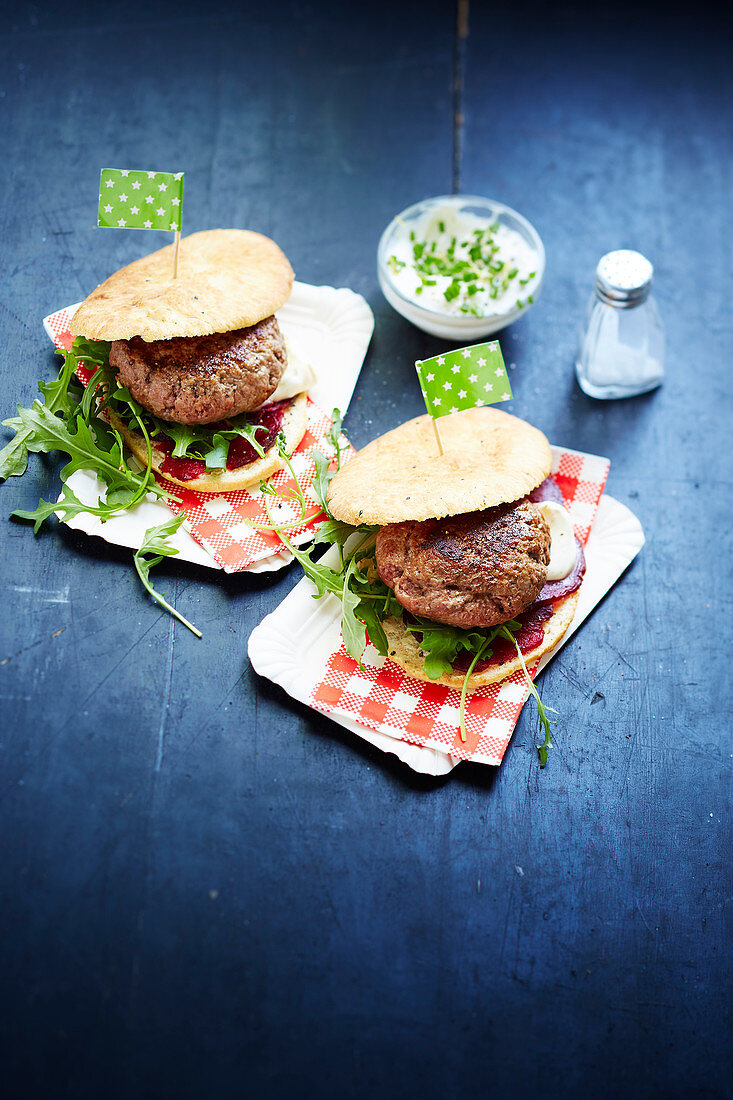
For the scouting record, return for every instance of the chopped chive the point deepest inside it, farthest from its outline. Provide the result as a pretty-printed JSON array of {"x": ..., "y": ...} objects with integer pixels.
[{"x": 463, "y": 268}]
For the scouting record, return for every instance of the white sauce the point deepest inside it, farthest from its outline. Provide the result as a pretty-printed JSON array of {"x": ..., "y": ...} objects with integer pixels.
[
  {"x": 444, "y": 227},
  {"x": 562, "y": 545},
  {"x": 298, "y": 376}
]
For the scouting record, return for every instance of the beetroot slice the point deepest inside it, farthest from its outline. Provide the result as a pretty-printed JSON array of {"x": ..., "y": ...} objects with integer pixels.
[
  {"x": 548, "y": 490},
  {"x": 555, "y": 590},
  {"x": 185, "y": 469},
  {"x": 241, "y": 451}
]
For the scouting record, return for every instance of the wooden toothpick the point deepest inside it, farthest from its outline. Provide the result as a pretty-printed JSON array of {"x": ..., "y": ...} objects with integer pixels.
[
  {"x": 175, "y": 253},
  {"x": 437, "y": 434}
]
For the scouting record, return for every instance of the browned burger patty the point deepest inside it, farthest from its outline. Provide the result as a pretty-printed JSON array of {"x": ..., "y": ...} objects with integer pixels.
[
  {"x": 474, "y": 570},
  {"x": 201, "y": 379}
]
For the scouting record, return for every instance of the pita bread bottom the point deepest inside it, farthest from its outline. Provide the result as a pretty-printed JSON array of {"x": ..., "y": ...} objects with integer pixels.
[
  {"x": 295, "y": 422},
  {"x": 404, "y": 649}
]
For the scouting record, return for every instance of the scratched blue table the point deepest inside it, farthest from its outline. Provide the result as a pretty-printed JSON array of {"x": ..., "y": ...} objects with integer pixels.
[{"x": 209, "y": 890}]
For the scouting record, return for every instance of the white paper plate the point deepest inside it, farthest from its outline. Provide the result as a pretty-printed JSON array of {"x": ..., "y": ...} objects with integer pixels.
[
  {"x": 293, "y": 643},
  {"x": 332, "y": 328}
]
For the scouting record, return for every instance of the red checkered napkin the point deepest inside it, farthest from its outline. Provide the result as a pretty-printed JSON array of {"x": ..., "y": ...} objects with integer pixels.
[
  {"x": 388, "y": 700},
  {"x": 219, "y": 521}
]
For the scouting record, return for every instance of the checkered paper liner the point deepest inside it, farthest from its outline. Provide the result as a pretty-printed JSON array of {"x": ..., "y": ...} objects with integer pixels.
[
  {"x": 222, "y": 522},
  {"x": 382, "y": 697}
]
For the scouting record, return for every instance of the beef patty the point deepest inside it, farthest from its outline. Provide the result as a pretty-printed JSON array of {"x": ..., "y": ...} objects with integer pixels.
[
  {"x": 201, "y": 379},
  {"x": 474, "y": 570}
]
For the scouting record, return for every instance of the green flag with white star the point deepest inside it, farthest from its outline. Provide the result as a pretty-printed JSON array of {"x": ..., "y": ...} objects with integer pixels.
[
  {"x": 130, "y": 199},
  {"x": 463, "y": 379}
]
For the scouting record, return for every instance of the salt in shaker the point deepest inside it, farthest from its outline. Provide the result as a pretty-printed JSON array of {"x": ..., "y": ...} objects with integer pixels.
[{"x": 621, "y": 351}]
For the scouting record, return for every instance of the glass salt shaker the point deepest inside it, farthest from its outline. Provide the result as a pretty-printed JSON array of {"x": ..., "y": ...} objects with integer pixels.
[{"x": 621, "y": 351}]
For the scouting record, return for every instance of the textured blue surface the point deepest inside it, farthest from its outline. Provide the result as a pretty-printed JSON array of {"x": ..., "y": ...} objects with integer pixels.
[{"x": 208, "y": 890}]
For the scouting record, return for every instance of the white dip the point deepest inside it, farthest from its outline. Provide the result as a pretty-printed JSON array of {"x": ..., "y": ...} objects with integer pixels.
[
  {"x": 298, "y": 376},
  {"x": 562, "y": 545},
  {"x": 458, "y": 263}
]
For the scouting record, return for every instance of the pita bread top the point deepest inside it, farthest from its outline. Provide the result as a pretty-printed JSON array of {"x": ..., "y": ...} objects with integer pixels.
[
  {"x": 227, "y": 279},
  {"x": 489, "y": 458}
]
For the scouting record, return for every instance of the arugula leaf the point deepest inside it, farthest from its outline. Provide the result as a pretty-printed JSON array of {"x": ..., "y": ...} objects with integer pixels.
[
  {"x": 216, "y": 458},
  {"x": 80, "y": 433},
  {"x": 69, "y": 503},
  {"x": 442, "y": 643},
  {"x": 183, "y": 436},
  {"x": 68, "y": 420},
  {"x": 482, "y": 649},
  {"x": 117, "y": 500},
  {"x": 14, "y": 455},
  {"x": 325, "y": 579},
  {"x": 334, "y": 532},
  {"x": 155, "y": 543},
  {"x": 322, "y": 479},
  {"x": 56, "y": 395},
  {"x": 352, "y": 627},
  {"x": 440, "y": 651},
  {"x": 90, "y": 351},
  {"x": 324, "y": 473},
  {"x": 541, "y": 708},
  {"x": 249, "y": 431},
  {"x": 368, "y": 613},
  {"x": 334, "y": 433},
  {"x": 46, "y": 432}
]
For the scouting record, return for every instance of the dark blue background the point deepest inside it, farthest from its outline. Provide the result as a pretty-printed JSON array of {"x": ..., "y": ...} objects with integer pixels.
[{"x": 208, "y": 890}]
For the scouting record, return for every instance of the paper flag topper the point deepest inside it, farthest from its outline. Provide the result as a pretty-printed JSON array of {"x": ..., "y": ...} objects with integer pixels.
[
  {"x": 463, "y": 379},
  {"x": 130, "y": 199}
]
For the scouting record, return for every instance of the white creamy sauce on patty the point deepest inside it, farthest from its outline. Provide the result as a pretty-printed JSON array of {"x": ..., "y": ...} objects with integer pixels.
[
  {"x": 562, "y": 536},
  {"x": 298, "y": 376},
  {"x": 461, "y": 264}
]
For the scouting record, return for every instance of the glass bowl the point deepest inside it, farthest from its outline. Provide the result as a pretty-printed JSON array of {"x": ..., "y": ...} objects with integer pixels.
[{"x": 437, "y": 323}]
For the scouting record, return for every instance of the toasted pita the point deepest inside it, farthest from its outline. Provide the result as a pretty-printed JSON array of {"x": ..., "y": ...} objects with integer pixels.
[
  {"x": 227, "y": 279},
  {"x": 489, "y": 458},
  {"x": 294, "y": 425},
  {"x": 405, "y": 650}
]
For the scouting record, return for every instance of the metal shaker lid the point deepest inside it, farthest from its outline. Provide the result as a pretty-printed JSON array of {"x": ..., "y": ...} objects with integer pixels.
[{"x": 624, "y": 278}]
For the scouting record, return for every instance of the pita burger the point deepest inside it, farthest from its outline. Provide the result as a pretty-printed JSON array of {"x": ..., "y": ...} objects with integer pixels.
[
  {"x": 203, "y": 359},
  {"x": 468, "y": 542}
]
